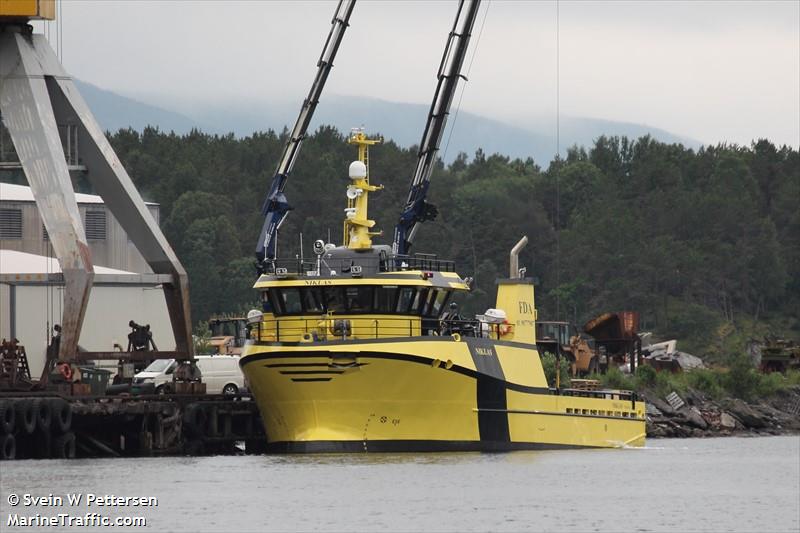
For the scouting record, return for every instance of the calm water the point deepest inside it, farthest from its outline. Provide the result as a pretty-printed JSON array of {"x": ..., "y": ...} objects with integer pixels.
[{"x": 724, "y": 484}]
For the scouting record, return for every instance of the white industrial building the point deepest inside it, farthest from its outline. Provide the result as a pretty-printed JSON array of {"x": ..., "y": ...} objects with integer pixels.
[
  {"x": 21, "y": 229},
  {"x": 31, "y": 286}
]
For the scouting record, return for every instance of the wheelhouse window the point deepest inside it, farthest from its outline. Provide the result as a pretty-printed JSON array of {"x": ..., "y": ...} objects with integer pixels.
[
  {"x": 359, "y": 299},
  {"x": 290, "y": 301},
  {"x": 418, "y": 304},
  {"x": 356, "y": 300},
  {"x": 436, "y": 302},
  {"x": 267, "y": 305},
  {"x": 405, "y": 300},
  {"x": 313, "y": 301},
  {"x": 334, "y": 300},
  {"x": 386, "y": 299}
]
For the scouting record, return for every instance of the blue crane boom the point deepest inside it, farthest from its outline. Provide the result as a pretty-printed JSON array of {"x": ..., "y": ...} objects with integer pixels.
[
  {"x": 276, "y": 207},
  {"x": 416, "y": 209}
]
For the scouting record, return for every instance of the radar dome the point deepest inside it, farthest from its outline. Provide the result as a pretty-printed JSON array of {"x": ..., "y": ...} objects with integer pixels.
[{"x": 358, "y": 170}]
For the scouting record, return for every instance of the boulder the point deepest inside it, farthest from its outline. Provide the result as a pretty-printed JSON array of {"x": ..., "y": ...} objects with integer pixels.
[
  {"x": 711, "y": 417},
  {"x": 698, "y": 433},
  {"x": 694, "y": 397},
  {"x": 792, "y": 423},
  {"x": 651, "y": 409},
  {"x": 678, "y": 430},
  {"x": 694, "y": 418},
  {"x": 726, "y": 421},
  {"x": 662, "y": 406},
  {"x": 746, "y": 415},
  {"x": 688, "y": 361}
]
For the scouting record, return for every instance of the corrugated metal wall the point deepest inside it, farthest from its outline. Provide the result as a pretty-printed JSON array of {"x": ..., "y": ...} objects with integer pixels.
[{"x": 107, "y": 240}]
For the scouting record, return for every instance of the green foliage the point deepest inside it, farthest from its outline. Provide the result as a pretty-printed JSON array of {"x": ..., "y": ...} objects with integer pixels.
[
  {"x": 747, "y": 383},
  {"x": 692, "y": 323},
  {"x": 646, "y": 375},
  {"x": 667, "y": 382},
  {"x": 792, "y": 377},
  {"x": 742, "y": 380},
  {"x": 706, "y": 381},
  {"x": 549, "y": 365},
  {"x": 201, "y": 338},
  {"x": 614, "y": 379},
  {"x": 691, "y": 240},
  {"x": 768, "y": 384}
]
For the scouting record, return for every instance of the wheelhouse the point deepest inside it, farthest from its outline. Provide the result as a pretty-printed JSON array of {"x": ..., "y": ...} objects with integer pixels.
[{"x": 388, "y": 302}]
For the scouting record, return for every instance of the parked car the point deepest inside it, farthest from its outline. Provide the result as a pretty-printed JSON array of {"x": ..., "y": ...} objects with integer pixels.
[{"x": 220, "y": 373}]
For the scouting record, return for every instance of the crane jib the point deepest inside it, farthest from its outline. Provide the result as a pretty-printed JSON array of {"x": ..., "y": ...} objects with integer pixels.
[
  {"x": 417, "y": 209},
  {"x": 276, "y": 207}
]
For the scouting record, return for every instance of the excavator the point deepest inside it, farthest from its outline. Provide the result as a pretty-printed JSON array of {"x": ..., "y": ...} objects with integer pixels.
[{"x": 562, "y": 340}]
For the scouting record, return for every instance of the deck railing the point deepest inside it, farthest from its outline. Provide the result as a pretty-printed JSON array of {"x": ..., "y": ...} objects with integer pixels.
[
  {"x": 622, "y": 395},
  {"x": 300, "y": 329},
  {"x": 368, "y": 264}
]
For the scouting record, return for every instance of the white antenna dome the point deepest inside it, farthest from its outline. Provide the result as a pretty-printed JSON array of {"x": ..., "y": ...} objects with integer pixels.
[{"x": 358, "y": 170}]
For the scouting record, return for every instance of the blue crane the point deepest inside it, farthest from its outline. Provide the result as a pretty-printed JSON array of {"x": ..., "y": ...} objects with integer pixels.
[
  {"x": 276, "y": 207},
  {"x": 416, "y": 209}
]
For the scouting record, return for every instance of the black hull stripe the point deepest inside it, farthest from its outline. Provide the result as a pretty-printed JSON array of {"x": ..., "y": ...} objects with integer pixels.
[
  {"x": 383, "y": 340},
  {"x": 392, "y": 356},
  {"x": 311, "y": 379},
  {"x": 491, "y": 392},
  {"x": 301, "y": 372},
  {"x": 296, "y": 365},
  {"x": 417, "y": 446}
]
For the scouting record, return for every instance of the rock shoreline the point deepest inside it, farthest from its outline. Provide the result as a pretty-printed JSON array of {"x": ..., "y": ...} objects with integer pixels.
[{"x": 701, "y": 416}]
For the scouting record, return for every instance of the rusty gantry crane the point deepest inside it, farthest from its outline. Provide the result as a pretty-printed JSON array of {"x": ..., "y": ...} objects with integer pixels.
[{"x": 37, "y": 95}]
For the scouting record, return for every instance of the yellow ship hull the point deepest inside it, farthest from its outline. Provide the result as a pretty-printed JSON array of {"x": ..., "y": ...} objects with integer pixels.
[{"x": 426, "y": 394}]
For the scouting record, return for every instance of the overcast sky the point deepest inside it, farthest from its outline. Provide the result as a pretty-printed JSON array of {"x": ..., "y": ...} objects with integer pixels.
[{"x": 714, "y": 71}]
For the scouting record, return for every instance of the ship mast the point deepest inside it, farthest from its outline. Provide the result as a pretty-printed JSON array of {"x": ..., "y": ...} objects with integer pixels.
[{"x": 356, "y": 234}]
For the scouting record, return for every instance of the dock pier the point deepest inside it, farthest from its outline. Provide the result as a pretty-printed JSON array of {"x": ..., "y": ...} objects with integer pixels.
[{"x": 44, "y": 425}]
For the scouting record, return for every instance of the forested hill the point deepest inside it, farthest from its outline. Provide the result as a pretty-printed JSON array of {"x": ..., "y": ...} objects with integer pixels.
[
  {"x": 704, "y": 243},
  {"x": 532, "y": 136}
]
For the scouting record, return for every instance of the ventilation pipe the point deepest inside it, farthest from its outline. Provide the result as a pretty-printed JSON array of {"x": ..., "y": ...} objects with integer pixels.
[{"x": 514, "y": 257}]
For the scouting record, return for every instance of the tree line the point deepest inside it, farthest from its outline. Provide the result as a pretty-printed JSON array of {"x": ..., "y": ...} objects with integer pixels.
[{"x": 705, "y": 243}]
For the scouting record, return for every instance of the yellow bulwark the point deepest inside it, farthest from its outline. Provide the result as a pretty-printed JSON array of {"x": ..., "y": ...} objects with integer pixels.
[
  {"x": 27, "y": 9},
  {"x": 357, "y": 223}
]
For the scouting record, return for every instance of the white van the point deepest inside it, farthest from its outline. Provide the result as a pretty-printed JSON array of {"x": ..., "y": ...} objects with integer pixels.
[{"x": 221, "y": 374}]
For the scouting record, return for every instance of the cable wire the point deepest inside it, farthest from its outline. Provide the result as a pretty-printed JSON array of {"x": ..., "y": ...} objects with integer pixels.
[
  {"x": 60, "y": 30},
  {"x": 558, "y": 160}
]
